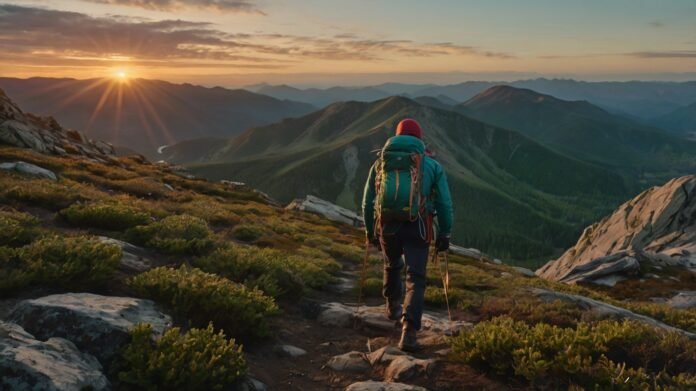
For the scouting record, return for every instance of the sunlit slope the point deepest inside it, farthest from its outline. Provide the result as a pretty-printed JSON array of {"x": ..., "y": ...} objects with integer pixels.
[
  {"x": 510, "y": 192},
  {"x": 144, "y": 114}
]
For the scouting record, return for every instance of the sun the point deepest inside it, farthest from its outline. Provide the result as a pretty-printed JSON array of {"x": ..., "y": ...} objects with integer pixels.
[{"x": 121, "y": 75}]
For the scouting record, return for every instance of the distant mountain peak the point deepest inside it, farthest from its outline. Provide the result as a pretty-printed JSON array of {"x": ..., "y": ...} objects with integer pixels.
[{"x": 509, "y": 94}]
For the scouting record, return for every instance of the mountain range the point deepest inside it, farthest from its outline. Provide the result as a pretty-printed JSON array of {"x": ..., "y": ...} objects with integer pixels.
[
  {"x": 585, "y": 131},
  {"x": 513, "y": 196},
  {"x": 142, "y": 115},
  {"x": 639, "y": 99}
]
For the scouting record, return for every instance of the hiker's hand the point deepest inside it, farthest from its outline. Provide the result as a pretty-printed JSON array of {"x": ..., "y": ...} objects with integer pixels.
[
  {"x": 377, "y": 243},
  {"x": 442, "y": 243}
]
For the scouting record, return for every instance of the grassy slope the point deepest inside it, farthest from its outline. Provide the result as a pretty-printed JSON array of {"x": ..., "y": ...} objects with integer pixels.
[
  {"x": 502, "y": 182},
  {"x": 479, "y": 291}
]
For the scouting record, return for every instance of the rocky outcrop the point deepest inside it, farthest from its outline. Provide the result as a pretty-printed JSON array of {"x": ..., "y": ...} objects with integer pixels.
[
  {"x": 54, "y": 365},
  {"x": 373, "y": 317},
  {"x": 382, "y": 386},
  {"x": 603, "y": 309},
  {"x": 28, "y": 169},
  {"x": 327, "y": 209},
  {"x": 98, "y": 325},
  {"x": 133, "y": 258},
  {"x": 658, "y": 227},
  {"x": 683, "y": 300},
  {"x": 44, "y": 134}
]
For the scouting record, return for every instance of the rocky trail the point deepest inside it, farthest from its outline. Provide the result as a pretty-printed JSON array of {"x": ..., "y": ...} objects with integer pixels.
[{"x": 326, "y": 342}]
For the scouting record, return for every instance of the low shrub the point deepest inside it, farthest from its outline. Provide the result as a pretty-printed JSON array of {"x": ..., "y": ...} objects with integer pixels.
[
  {"x": 340, "y": 251},
  {"x": 248, "y": 232},
  {"x": 275, "y": 272},
  {"x": 178, "y": 234},
  {"x": 212, "y": 212},
  {"x": 140, "y": 187},
  {"x": 682, "y": 318},
  {"x": 105, "y": 215},
  {"x": 589, "y": 355},
  {"x": 14, "y": 271},
  {"x": 531, "y": 310},
  {"x": 43, "y": 193},
  {"x": 70, "y": 262},
  {"x": 201, "y": 359},
  {"x": 203, "y": 297},
  {"x": 17, "y": 228},
  {"x": 372, "y": 287}
]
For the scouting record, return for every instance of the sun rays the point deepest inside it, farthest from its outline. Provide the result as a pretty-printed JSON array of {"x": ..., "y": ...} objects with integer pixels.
[{"x": 108, "y": 98}]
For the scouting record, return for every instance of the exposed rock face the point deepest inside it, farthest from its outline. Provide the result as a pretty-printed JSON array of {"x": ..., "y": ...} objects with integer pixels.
[
  {"x": 96, "y": 324},
  {"x": 657, "y": 226},
  {"x": 54, "y": 365},
  {"x": 604, "y": 309},
  {"x": 28, "y": 169},
  {"x": 325, "y": 208},
  {"x": 45, "y": 134}
]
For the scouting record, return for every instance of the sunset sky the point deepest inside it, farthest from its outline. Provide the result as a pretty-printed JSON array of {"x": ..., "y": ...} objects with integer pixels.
[{"x": 326, "y": 42}]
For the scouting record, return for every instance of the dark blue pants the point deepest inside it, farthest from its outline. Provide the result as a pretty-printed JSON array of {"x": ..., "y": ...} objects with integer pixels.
[{"x": 407, "y": 244}]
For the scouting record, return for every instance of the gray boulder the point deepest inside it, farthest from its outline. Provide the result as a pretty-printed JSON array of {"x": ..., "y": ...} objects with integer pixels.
[
  {"x": 97, "y": 324},
  {"x": 27, "y": 364},
  {"x": 399, "y": 365},
  {"x": 349, "y": 362},
  {"x": 288, "y": 351},
  {"x": 327, "y": 209},
  {"x": 657, "y": 227},
  {"x": 382, "y": 386},
  {"x": 133, "y": 258},
  {"x": 28, "y": 169},
  {"x": 683, "y": 300}
]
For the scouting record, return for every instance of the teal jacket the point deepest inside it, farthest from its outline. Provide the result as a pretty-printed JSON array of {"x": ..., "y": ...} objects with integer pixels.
[{"x": 435, "y": 187}]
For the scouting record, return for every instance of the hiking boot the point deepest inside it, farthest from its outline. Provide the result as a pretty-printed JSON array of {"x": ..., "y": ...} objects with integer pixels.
[
  {"x": 394, "y": 311},
  {"x": 409, "y": 340}
]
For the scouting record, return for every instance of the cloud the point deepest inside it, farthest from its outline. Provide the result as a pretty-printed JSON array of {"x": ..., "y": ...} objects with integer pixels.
[
  {"x": 656, "y": 24},
  {"x": 66, "y": 36},
  {"x": 665, "y": 54},
  {"x": 177, "y": 5}
]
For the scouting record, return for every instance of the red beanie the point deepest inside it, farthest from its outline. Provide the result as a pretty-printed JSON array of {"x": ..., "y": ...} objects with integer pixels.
[{"x": 409, "y": 127}]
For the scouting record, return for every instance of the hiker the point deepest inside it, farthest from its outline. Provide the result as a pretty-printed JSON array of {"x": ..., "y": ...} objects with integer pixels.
[{"x": 405, "y": 189}]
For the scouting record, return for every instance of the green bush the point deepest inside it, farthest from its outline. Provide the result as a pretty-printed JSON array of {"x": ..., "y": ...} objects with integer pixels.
[
  {"x": 274, "y": 272},
  {"x": 372, "y": 287},
  {"x": 248, "y": 232},
  {"x": 204, "y": 297},
  {"x": 14, "y": 271},
  {"x": 589, "y": 355},
  {"x": 105, "y": 215},
  {"x": 682, "y": 318},
  {"x": 179, "y": 234},
  {"x": 198, "y": 360},
  {"x": 17, "y": 228},
  {"x": 71, "y": 262},
  {"x": 43, "y": 193}
]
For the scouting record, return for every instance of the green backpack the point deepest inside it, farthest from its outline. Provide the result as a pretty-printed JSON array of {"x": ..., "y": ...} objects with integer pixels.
[{"x": 398, "y": 178}]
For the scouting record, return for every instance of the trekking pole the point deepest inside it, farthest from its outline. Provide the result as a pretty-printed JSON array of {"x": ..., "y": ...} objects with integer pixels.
[
  {"x": 444, "y": 277},
  {"x": 363, "y": 271}
]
